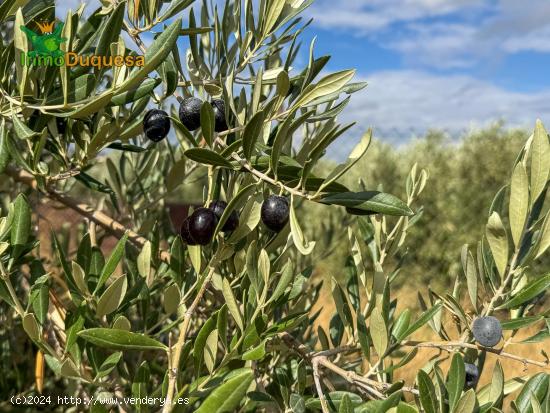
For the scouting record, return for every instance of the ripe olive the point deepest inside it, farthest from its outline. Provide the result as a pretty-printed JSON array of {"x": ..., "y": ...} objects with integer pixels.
[
  {"x": 275, "y": 212},
  {"x": 156, "y": 125},
  {"x": 202, "y": 225},
  {"x": 232, "y": 221},
  {"x": 219, "y": 115},
  {"x": 472, "y": 375},
  {"x": 190, "y": 113},
  {"x": 185, "y": 234},
  {"x": 487, "y": 331}
]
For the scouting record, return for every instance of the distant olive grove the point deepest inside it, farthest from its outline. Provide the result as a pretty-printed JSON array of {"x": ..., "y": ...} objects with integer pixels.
[{"x": 464, "y": 175}]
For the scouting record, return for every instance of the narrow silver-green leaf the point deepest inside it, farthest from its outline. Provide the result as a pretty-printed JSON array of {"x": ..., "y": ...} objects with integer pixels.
[
  {"x": 544, "y": 241},
  {"x": 120, "y": 339},
  {"x": 498, "y": 241},
  {"x": 227, "y": 396},
  {"x": 455, "y": 380},
  {"x": 207, "y": 122},
  {"x": 427, "y": 392},
  {"x": 31, "y": 327},
  {"x": 112, "y": 262},
  {"x": 207, "y": 157},
  {"x": 252, "y": 132},
  {"x": 210, "y": 350},
  {"x": 231, "y": 302},
  {"x": 21, "y": 222},
  {"x": 467, "y": 402},
  {"x": 144, "y": 260},
  {"x": 519, "y": 201},
  {"x": 155, "y": 55},
  {"x": 379, "y": 332},
  {"x": 528, "y": 292},
  {"x": 356, "y": 154},
  {"x": 172, "y": 297},
  {"x": 305, "y": 247},
  {"x": 112, "y": 297},
  {"x": 540, "y": 161},
  {"x": 79, "y": 277},
  {"x": 329, "y": 84}
]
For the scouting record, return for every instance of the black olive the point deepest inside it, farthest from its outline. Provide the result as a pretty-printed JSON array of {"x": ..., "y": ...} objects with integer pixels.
[
  {"x": 232, "y": 221},
  {"x": 275, "y": 212},
  {"x": 190, "y": 113},
  {"x": 156, "y": 125}
]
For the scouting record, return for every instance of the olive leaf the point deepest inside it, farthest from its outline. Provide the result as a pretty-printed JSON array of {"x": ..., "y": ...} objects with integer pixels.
[
  {"x": 80, "y": 278},
  {"x": 144, "y": 260},
  {"x": 304, "y": 246},
  {"x": 232, "y": 304},
  {"x": 498, "y": 241},
  {"x": 227, "y": 396},
  {"x": 154, "y": 56},
  {"x": 379, "y": 333},
  {"x": 112, "y": 262},
  {"x": 369, "y": 201},
  {"x": 112, "y": 297},
  {"x": 356, "y": 154},
  {"x": 427, "y": 392},
  {"x": 252, "y": 132},
  {"x": 207, "y": 157},
  {"x": 540, "y": 161},
  {"x": 528, "y": 292},
  {"x": 120, "y": 339},
  {"x": 519, "y": 201},
  {"x": 455, "y": 380},
  {"x": 329, "y": 84},
  {"x": 207, "y": 122},
  {"x": 172, "y": 298},
  {"x": 31, "y": 327}
]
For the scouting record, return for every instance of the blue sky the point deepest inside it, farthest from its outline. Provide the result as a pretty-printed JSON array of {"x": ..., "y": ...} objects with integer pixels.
[
  {"x": 450, "y": 64},
  {"x": 455, "y": 65}
]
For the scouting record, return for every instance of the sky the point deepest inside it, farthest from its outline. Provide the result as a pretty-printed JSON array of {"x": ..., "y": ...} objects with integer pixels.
[{"x": 455, "y": 65}]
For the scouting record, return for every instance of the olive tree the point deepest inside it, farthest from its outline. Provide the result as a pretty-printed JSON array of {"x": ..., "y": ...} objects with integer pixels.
[{"x": 219, "y": 315}]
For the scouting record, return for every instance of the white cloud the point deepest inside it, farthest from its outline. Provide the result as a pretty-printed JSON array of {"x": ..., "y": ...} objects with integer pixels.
[
  {"x": 402, "y": 103},
  {"x": 443, "y": 33},
  {"x": 368, "y": 16}
]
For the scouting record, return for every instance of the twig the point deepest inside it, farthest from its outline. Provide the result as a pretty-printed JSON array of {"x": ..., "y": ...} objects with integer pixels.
[
  {"x": 175, "y": 360},
  {"x": 321, "y": 359},
  {"x": 317, "y": 379},
  {"x": 446, "y": 345},
  {"x": 7, "y": 281},
  {"x": 246, "y": 165}
]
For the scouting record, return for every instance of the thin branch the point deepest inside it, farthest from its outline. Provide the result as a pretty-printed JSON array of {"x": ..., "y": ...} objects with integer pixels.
[
  {"x": 321, "y": 359},
  {"x": 177, "y": 350},
  {"x": 318, "y": 386},
  {"x": 447, "y": 345}
]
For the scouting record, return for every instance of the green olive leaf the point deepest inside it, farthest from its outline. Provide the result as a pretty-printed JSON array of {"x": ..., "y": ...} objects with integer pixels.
[{"x": 120, "y": 339}]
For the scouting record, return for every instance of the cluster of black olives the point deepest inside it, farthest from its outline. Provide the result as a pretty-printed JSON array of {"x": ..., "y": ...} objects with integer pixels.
[
  {"x": 156, "y": 122},
  {"x": 199, "y": 227}
]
